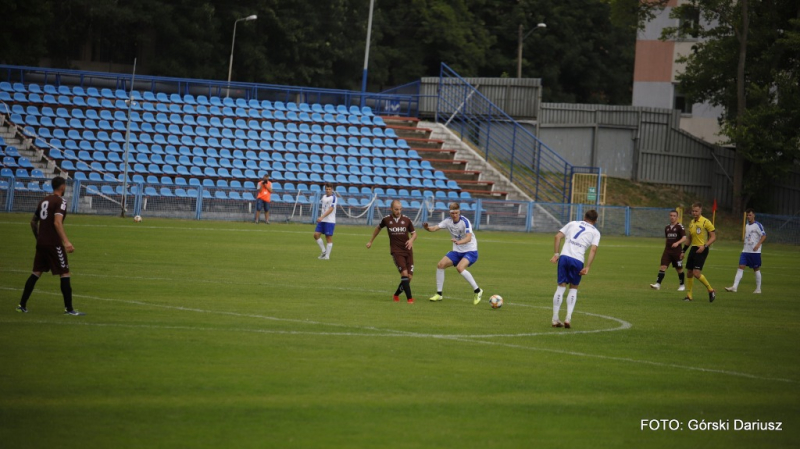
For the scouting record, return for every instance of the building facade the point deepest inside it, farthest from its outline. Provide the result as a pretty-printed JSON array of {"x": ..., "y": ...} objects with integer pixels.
[{"x": 655, "y": 75}]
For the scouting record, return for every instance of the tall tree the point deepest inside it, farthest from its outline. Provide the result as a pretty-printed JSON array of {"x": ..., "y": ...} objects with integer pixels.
[
  {"x": 580, "y": 57},
  {"x": 413, "y": 38},
  {"x": 21, "y": 39},
  {"x": 736, "y": 64}
]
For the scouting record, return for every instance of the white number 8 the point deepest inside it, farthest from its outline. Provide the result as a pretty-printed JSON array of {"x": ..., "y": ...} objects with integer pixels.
[{"x": 43, "y": 212}]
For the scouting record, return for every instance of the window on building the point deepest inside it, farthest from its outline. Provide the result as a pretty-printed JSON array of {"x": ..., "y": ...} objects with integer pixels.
[
  {"x": 680, "y": 101},
  {"x": 689, "y": 22}
]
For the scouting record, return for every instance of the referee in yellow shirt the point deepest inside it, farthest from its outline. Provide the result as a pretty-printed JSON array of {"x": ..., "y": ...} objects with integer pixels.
[{"x": 703, "y": 234}]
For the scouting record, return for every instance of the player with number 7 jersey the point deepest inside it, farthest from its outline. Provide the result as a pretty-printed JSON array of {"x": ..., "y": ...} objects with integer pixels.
[{"x": 578, "y": 236}]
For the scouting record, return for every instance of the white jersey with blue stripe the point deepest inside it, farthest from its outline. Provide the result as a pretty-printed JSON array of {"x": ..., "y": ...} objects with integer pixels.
[
  {"x": 752, "y": 234},
  {"x": 458, "y": 231},
  {"x": 326, "y": 203},
  {"x": 580, "y": 236}
]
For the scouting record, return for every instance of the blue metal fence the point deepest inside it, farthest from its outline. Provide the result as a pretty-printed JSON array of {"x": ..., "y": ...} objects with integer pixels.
[
  {"x": 232, "y": 204},
  {"x": 406, "y": 103}
]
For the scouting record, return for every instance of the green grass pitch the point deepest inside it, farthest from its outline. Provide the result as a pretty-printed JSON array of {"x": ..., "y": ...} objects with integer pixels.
[{"x": 227, "y": 335}]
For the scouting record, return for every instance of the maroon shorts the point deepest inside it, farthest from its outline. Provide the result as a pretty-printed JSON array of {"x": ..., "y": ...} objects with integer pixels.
[
  {"x": 51, "y": 258},
  {"x": 404, "y": 261},
  {"x": 671, "y": 257}
]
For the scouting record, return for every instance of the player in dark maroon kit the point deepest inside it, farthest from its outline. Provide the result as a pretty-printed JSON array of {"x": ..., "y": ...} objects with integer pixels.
[
  {"x": 399, "y": 228},
  {"x": 52, "y": 245},
  {"x": 673, "y": 251}
]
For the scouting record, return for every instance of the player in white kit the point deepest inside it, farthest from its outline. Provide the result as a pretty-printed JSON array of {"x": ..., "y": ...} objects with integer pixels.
[
  {"x": 754, "y": 236},
  {"x": 579, "y": 236},
  {"x": 463, "y": 255},
  {"x": 326, "y": 222}
]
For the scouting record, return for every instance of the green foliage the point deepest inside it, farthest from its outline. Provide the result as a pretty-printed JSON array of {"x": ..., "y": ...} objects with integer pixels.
[
  {"x": 21, "y": 39},
  {"x": 582, "y": 56},
  {"x": 766, "y": 132},
  {"x": 634, "y": 14}
]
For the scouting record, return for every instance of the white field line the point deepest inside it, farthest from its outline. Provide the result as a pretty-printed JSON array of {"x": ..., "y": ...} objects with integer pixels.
[
  {"x": 622, "y": 324},
  {"x": 474, "y": 339},
  {"x": 275, "y": 230}
]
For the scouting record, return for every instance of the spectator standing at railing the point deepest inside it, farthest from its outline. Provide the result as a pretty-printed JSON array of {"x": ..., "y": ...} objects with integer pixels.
[{"x": 263, "y": 198}]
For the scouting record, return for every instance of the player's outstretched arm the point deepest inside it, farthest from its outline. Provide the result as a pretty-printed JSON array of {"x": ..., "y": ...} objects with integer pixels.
[
  {"x": 410, "y": 242},
  {"x": 557, "y": 246},
  {"x": 589, "y": 261},
  {"x": 59, "y": 224},
  {"x": 467, "y": 239},
  {"x": 35, "y": 228},
  {"x": 712, "y": 237},
  {"x": 327, "y": 212},
  {"x": 760, "y": 242},
  {"x": 375, "y": 233},
  {"x": 429, "y": 228},
  {"x": 682, "y": 241}
]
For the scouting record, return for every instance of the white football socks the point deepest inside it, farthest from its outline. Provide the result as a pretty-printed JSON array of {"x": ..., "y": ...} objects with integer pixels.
[
  {"x": 758, "y": 280},
  {"x": 321, "y": 244},
  {"x": 328, "y": 252},
  {"x": 468, "y": 276},
  {"x": 557, "y": 299},
  {"x": 439, "y": 279},
  {"x": 739, "y": 273},
  {"x": 572, "y": 298}
]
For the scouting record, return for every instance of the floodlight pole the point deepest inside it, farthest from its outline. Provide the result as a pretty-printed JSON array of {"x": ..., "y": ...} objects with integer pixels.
[
  {"x": 233, "y": 42},
  {"x": 366, "y": 54},
  {"x": 127, "y": 145},
  {"x": 519, "y": 46}
]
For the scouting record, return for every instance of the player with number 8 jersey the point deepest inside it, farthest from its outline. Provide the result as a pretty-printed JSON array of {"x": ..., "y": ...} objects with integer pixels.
[
  {"x": 52, "y": 245},
  {"x": 578, "y": 237}
]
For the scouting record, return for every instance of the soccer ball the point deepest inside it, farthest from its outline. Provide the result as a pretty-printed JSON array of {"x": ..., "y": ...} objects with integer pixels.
[
  {"x": 496, "y": 301},
  {"x": 137, "y": 219}
]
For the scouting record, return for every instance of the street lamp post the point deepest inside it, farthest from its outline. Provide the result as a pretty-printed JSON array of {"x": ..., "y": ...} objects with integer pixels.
[
  {"x": 131, "y": 104},
  {"x": 233, "y": 42},
  {"x": 366, "y": 54},
  {"x": 519, "y": 46}
]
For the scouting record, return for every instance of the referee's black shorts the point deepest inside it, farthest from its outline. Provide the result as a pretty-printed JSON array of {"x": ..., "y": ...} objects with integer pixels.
[{"x": 695, "y": 260}]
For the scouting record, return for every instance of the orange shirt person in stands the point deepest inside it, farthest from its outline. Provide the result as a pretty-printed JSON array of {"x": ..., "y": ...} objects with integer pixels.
[{"x": 263, "y": 198}]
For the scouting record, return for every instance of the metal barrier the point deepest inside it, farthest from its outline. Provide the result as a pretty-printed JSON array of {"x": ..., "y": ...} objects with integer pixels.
[
  {"x": 199, "y": 202},
  {"x": 403, "y": 104}
]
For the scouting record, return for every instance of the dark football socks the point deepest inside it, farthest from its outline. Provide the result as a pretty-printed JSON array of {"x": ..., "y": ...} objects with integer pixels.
[
  {"x": 29, "y": 285},
  {"x": 406, "y": 284},
  {"x": 66, "y": 290}
]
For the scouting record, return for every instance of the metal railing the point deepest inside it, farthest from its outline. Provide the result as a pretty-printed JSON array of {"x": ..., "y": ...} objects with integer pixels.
[
  {"x": 408, "y": 103},
  {"x": 503, "y": 142},
  {"x": 204, "y": 202}
]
